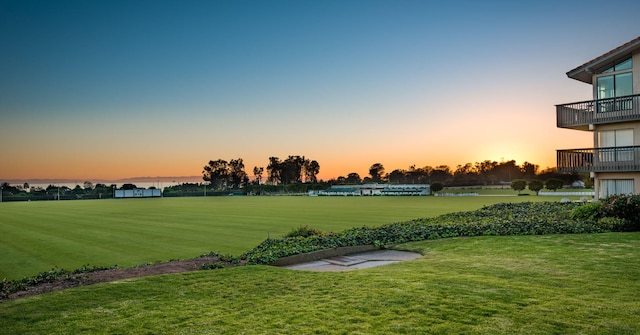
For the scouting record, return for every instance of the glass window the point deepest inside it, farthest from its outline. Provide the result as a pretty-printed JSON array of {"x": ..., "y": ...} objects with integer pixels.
[
  {"x": 615, "y": 145},
  {"x": 624, "y": 137},
  {"x": 606, "y": 88},
  {"x": 614, "y": 92},
  {"x": 607, "y": 70},
  {"x": 615, "y": 186},
  {"x": 619, "y": 66},
  {"x": 607, "y": 139},
  {"x": 623, "y": 84},
  {"x": 623, "y": 65}
]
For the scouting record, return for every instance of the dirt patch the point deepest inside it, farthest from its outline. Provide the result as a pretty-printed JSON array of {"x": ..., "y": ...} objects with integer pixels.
[{"x": 84, "y": 279}]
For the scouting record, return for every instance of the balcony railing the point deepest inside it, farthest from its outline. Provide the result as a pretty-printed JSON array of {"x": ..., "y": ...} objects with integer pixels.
[
  {"x": 616, "y": 159},
  {"x": 581, "y": 114}
]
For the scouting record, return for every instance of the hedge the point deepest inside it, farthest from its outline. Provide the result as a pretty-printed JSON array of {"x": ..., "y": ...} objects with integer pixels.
[{"x": 502, "y": 219}]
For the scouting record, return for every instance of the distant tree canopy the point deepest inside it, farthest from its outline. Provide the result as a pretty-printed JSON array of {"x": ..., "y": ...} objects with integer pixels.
[
  {"x": 224, "y": 175},
  {"x": 469, "y": 174},
  {"x": 297, "y": 174},
  {"x": 376, "y": 171},
  {"x": 24, "y": 192}
]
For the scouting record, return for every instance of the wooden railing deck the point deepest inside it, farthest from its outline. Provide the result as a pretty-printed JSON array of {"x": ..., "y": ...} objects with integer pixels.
[
  {"x": 615, "y": 159},
  {"x": 584, "y": 113}
]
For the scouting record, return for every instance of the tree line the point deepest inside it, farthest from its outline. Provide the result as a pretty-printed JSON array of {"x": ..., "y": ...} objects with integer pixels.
[
  {"x": 224, "y": 175},
  {"x": 470, "y": 174},
  {"x": 298, "y": 174},
  {"x": 53, "y": 192}
]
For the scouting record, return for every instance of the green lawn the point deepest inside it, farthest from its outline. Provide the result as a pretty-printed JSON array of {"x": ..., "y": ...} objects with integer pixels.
[
  {"x": 38, "y": 236},
  {"x": 554, "y": 284}
]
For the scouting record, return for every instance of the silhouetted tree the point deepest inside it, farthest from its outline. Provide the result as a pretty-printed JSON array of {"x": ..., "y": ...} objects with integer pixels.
[
  {"x": 237, "y": 175},
  {"x": 216, "y": 173},
  {"x": 465, "y": 175},
  {"x": 440, "y": 174},
  {"x": 274, "y": 170},
  {"x": 311, "y": 170},
  {"x": 291, "y": 169},
  {"x": 397, "y": 176},
  {"x": 257, "y": 173},
  {"x": 353, "y": 178},
  {"x": 376, "y": 171},
  {"x": 529, "y": 170},
  {"x": 507, "y": 171}
]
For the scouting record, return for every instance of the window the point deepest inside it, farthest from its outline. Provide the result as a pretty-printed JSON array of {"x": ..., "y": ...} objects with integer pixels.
[
  {"x": 619, "y": 66},
  {"x": 615, "y": 145},
  {"x": 615, "y": 186},
  {"x": 613, "y": 90}
]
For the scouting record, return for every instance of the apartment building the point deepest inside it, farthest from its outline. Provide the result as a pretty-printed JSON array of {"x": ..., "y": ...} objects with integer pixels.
[{"x": 613, "y": 116}]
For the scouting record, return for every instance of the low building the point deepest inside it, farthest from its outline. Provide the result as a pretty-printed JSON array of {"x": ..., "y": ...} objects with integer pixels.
[
  {"x": 377, "y": 190},
  {"x": 138, "y": 193}
]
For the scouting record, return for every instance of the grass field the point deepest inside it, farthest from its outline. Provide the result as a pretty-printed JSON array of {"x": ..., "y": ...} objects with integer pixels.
[
  {"x": 555, "y": 284},
  {"x": 38, "y": 236}
]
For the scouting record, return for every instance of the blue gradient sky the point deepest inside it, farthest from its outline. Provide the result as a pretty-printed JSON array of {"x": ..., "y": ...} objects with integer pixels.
[{"x": 115, "y": 89}]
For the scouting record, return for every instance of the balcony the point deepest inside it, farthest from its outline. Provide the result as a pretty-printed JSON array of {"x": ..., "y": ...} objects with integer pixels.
[
  {"x": 579, "y": 115},
  {"x": 618, "y": 159}
]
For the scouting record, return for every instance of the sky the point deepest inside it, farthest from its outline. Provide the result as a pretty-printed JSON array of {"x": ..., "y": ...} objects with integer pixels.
[{"x": 117, "y": 89}]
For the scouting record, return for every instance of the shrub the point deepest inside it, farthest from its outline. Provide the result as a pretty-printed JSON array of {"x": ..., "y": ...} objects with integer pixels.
[
  {"x": 518, "y": 184},
  {"x": 535, "y": 186},
  {"x": 303, "y": 231},
  {"x": 587, "y": 212},
  {"x": 553, "y": 184},
  {"x": 625, "y": 207},
  {"x": 612, "y": 222},
  {"x": 436, "y": 187},
  {"x": 212, "y": 266}
]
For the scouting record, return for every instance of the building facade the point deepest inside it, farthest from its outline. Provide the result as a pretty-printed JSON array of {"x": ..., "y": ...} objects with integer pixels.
[{"x": 613, "y": 116}]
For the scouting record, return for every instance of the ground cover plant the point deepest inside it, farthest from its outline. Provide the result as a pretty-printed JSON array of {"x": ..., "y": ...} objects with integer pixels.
[
  {"x": 525, "y": 218},
  {"x": 36, "y": 237},
  {"x": 549, "y": 284}
]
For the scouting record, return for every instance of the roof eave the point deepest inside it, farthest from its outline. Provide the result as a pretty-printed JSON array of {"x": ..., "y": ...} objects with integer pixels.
[{"x": 584, "y": 72}]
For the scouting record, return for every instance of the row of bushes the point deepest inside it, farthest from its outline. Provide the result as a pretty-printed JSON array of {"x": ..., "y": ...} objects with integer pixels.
[{"x": 618, "y": 213}]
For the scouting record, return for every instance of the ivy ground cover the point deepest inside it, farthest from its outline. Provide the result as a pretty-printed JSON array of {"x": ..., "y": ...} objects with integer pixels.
[
  {"x": 39, "y": 236},
  {"x": 549, "y": 284}
]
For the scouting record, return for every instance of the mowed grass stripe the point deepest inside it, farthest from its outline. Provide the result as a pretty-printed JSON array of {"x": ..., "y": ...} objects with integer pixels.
[{"x": 37, "y": 236}]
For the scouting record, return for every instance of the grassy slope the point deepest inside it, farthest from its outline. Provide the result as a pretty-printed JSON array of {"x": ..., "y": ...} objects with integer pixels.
[
  {"x": 485, "y": 285},
  {"x": 38, "y": 236}
]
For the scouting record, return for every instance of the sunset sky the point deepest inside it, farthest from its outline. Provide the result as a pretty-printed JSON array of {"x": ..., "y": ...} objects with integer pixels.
[{"x": 115, "y": 89}]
